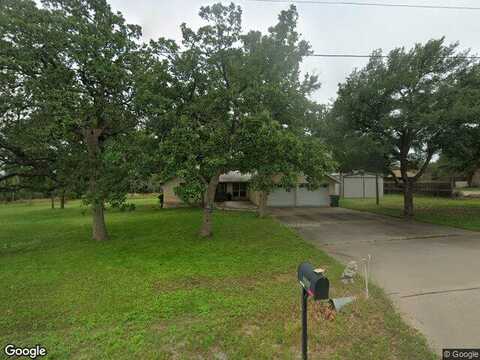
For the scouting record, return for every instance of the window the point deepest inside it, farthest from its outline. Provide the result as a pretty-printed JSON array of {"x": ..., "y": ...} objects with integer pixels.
[
  {"x": 239, "y": 190},
  {"x": 243, "y": 190}
]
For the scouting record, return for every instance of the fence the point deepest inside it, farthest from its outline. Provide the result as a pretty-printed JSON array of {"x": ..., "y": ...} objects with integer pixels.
[{"x": 433, "y": 188}]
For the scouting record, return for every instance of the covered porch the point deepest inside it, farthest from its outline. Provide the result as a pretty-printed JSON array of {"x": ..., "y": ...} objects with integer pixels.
[{"x": 232, "y": 186}]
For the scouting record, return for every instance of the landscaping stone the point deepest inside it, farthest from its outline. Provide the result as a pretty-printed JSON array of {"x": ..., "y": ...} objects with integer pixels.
[{"x": 349, "y": 273}]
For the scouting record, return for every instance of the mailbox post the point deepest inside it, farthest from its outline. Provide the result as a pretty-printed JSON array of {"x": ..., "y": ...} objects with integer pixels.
[
  {"x": 314, "y": 284},
  {"x": 304, "y": 324}
]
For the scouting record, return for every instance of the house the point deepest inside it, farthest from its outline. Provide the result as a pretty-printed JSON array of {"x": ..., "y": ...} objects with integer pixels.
[
  {"x": 234, "y": 186},
  {"x": 398, "y": 174}
]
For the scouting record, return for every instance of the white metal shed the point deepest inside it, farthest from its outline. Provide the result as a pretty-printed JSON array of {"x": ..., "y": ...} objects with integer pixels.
[{"x": 361, "y": 186}]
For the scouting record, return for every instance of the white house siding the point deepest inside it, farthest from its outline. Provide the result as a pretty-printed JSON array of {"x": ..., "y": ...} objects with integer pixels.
[
  {"x": 281, "y": 197},
  {"x": 318, "y": 197}
]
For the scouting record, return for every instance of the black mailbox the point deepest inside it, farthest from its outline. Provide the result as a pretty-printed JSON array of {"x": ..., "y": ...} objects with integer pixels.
[{"x": 314, "y": 283}]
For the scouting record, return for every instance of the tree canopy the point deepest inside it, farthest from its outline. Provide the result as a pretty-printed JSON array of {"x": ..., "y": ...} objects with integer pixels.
[
  {"x": 403, "y": 102},
  {"x": 231, "y": 98},
  {"x": 69, "y": 71},
  {"x": 463, "y": 156}
]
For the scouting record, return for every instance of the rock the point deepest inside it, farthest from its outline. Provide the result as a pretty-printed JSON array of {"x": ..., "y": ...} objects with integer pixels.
[
  {"x": 349, "y": 273},
  {"x": 220, "y": 356}
]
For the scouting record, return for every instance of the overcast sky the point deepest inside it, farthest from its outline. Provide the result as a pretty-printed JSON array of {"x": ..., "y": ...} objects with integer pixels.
[{"x": 333, "y": 29}]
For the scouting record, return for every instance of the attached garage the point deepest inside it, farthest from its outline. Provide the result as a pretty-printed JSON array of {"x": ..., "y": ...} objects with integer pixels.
[
  {"x": 301, "y": 196},
  {"x": 281, "y": 197},
  {"x": 234, "y": 186},
  {"x": 318, "y": 197}
]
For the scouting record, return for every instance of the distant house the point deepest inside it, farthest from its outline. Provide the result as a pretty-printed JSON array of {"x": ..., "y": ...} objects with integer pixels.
[
  {"x": 234, "y": 186},
  {"x": 398, "y": 174}
]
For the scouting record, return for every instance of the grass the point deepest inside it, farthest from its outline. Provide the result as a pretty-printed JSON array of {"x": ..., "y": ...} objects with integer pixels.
[
  {"x": 157, "y": 291},
  {"x": 469, "y": 190},
  {"x": 461, "y": 213}
]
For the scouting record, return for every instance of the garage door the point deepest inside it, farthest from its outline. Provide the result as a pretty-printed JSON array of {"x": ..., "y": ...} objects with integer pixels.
[
  {"x": 281, "y": 197},
  {"x": 318, "y": 197},
  {"x": 299, "y": 197}
]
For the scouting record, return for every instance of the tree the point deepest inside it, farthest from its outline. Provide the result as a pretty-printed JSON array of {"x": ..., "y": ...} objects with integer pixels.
[
  {"x": 75, "y": 66},
  {"x": 352, "y": 151},
  {"x": 278, "y": 101},
  {"x": 206, "y": 82},
  {"x": 278, "y": 156},
  {"x": 29, "y": 146},
  {"x": 463, "y": 156},
  {"x": 402, "y": 102},
  {"x": 229, "y": 92}
]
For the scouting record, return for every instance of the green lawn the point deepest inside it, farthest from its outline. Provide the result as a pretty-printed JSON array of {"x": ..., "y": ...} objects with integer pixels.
[
  {"x": 462, "y": 213},
  {"x": 157, "y": 291},
  {"x": 471, "y": 188}
]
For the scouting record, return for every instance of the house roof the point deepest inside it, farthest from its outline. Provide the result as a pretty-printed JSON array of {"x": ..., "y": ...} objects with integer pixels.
[
  {"x": 366, "y": 175},
  {"x": 334, "y": 178},
  {"x": 235, "y": 176},
  {"x": 398, "y": 173}
]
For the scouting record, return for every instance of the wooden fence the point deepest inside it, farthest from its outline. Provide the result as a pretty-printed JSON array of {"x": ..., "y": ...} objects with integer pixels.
[{"x": 433, "y": 188}]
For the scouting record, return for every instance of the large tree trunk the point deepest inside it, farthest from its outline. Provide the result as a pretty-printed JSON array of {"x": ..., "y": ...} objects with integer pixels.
[
  {"x": 62, "y": 200},
  {"x": 407, "y": 181},
  {"x": 52, "y": 200},
  {"x": 206, "y": 230},
  {"x": 262, "y": 204},
  {"x": 470, "y": 176},
  {"x": 99, "y": 229},
  {"x": 408, "y": 199}
]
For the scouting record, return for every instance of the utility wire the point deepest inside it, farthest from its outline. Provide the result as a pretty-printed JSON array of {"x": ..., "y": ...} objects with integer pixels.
[
  {"x": 379, "y": 56},
  {"x": 353, "y": 3},
  {"x": 356, "y": 56}
]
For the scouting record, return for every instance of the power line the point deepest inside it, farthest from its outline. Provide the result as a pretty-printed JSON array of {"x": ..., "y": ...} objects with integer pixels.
[
  {"x": 357, "y": 56},
  {"x": 379, "y": 56},
  {"x": 353, "y": 3}
]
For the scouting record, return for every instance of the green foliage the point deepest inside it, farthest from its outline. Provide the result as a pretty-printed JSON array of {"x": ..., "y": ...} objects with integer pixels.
[
  {"x": 69, "y": 74},
  {"x": 239, "y": 104},
  {"x": 206, "y": 79},
  {"x": 351, "y": 149},
  {"x": 463, "y": 155},
  {"x": 190, "y": 191},
  {"x": 402, "y": 102},
  {"x": 72, "y": 63}
]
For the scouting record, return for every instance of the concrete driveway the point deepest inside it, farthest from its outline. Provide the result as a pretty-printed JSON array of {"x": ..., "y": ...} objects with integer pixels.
[{"x": 431, "y": 272}]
